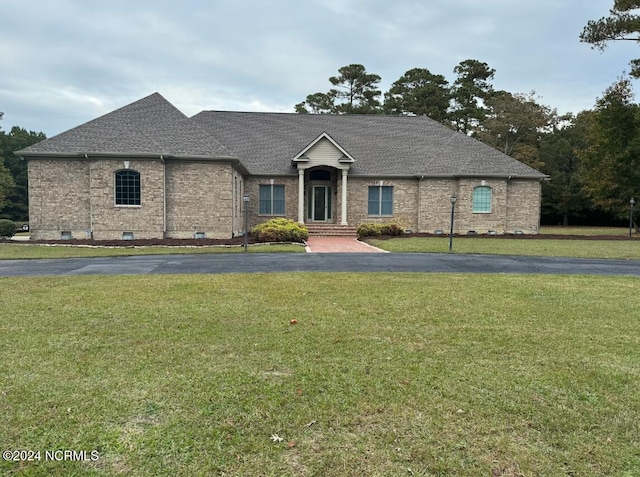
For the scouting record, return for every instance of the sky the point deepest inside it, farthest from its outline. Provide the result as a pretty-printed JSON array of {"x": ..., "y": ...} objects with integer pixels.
[{"x": 65, "y": 62}]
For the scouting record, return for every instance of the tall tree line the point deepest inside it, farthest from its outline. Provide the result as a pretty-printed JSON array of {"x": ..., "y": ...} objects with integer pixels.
[
  {"x": 417, "y": 92},
  {"x": 13, "y": 172}
]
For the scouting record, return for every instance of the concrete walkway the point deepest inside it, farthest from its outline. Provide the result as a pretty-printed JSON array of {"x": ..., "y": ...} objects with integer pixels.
[{"x": 337, "y": 244}]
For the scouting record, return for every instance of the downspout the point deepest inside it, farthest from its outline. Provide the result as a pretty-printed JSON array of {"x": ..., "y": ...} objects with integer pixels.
[
  {"x": 234, "y": 198},
  {"x": 419, "y": 203},
  {"x": 164, "y": 197},
  {"x": 506, "y": 204},
  {"x": 86, "y": 156}
]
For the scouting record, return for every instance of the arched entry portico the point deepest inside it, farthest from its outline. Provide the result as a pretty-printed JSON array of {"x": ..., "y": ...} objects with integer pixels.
[
  {"x": 322, "y": 195},
  {"x": 323, "y": 167}
]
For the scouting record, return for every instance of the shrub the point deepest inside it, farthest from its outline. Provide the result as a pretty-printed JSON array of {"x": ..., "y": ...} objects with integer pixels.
[
  {"x": 375, "y": 230},
  {"x": 369, "y": 230},
  {"x": 7, "y": 228},
  {"x": 280, "y": 230},
  {"x": 392, "y": 229}
]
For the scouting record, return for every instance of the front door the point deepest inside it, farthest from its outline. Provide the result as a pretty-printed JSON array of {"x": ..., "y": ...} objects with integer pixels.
[{"x": 321, "y": 204}]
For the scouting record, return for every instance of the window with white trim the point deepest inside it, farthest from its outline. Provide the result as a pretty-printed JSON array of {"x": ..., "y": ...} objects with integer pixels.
[
  {"x": 482, "y": 196},
  {"x": 380, "y": 201},
  {"x": 127, "y": 187},
  {"x": 271, "y": 199}
]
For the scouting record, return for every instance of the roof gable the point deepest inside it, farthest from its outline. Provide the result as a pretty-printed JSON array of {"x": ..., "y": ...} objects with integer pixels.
[
  {"x": 303, "y": 157},
  {"x": 150, "y": 126}
]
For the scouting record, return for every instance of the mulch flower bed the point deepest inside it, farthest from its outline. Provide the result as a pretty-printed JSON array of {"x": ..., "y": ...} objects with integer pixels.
[
  {"x": 140, "y": 242},
  {"x": 520, "y": 236},
  {"x": 251, "y": 240}
]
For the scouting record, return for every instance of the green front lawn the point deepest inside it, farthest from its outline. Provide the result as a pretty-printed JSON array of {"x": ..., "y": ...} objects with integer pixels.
[
  {"x": 581, "y": 230},
  {"x": 383, "y": 374},
  {"x": 612, "y": 249}
]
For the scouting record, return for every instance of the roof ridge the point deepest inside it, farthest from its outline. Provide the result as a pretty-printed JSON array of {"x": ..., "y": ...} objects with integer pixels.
[
  {"x": 312, "y": 115},
  {"x": 151, "y": 125}
]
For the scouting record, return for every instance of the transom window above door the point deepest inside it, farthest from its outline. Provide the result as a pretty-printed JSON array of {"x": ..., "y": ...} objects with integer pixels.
[{"x": 319, "y": 175}]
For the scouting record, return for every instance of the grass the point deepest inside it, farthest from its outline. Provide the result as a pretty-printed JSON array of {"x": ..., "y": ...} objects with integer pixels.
[
  {"x": 14, "y": 251},
  {"x": 579, "y": 230},
  {"x": 610, "y": 249},
  {"x": 385, "y": 374}
]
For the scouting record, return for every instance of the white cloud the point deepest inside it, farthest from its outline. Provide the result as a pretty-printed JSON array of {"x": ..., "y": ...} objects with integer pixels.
[{"x": 67, "y": 61}]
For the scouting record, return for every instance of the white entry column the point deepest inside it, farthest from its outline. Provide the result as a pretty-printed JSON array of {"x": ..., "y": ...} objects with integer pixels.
[
  {"x": 301, "y": 196},
  {"x": 343, "y": 221}
]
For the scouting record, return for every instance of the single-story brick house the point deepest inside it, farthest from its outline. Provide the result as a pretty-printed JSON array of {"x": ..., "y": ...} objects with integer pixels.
[{"x": 148, "y": 171}]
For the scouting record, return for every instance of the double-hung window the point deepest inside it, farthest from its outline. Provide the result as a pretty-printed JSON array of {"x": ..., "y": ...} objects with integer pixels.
[
  {"x": 127, "y": 187},
  {"x": 482, "y": 199},
  {"x": 380, "y": 201},
  {"x": 271, "y": 199}
]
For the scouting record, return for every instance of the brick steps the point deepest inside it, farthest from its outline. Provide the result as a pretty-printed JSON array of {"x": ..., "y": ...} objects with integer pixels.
[{"x": 334, "y": 230}]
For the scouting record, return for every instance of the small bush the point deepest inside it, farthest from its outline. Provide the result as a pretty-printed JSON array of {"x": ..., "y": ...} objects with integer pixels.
[
  {"x": 375, "y": 230},
  {"x": 369, "y": 230},
  {"x": 7, "y": 228},
  {"x": 392, "y": 229},
  {"x": 280, "y": 230}
]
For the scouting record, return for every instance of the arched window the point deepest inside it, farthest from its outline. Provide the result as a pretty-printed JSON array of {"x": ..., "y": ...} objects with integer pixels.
[
  {"x": 127, "y": 187},
  {"x": 482, "y": 199}
]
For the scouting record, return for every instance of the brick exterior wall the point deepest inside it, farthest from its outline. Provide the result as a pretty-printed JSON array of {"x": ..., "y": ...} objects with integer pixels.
[
  {"x": 422, "y": 205},
  {"x": 523, "y": 206},
  {"x": 405, "y": 199},
  {"x": 58, "y": 198},
  {"x": 200, "y": 198},
  {"x": 77, "y": 195},
  {"x": 435, "y": 204},
  {"x": 480, "y": 222},
  {"x": 252, "y": 186},
  {"x": 425, "y": 205},
  {"x": 515, "y": 206},
  {"x": 110, "y": 221}
]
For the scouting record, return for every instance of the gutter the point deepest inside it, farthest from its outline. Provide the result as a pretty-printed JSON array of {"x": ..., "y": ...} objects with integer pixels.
[
  {"x": 474, "y": 176},
  {"x": 119, "y": 155}
]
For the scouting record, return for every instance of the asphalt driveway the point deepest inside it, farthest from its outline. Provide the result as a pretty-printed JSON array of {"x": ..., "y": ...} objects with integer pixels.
[{"x": 315, "y": 262}]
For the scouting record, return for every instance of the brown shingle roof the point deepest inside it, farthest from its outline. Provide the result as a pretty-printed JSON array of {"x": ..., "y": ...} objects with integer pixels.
[
  {"x": 150, "y": 126},
  {"x": 381, "y": 145},
  {"x": 265, "y": 143}
]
